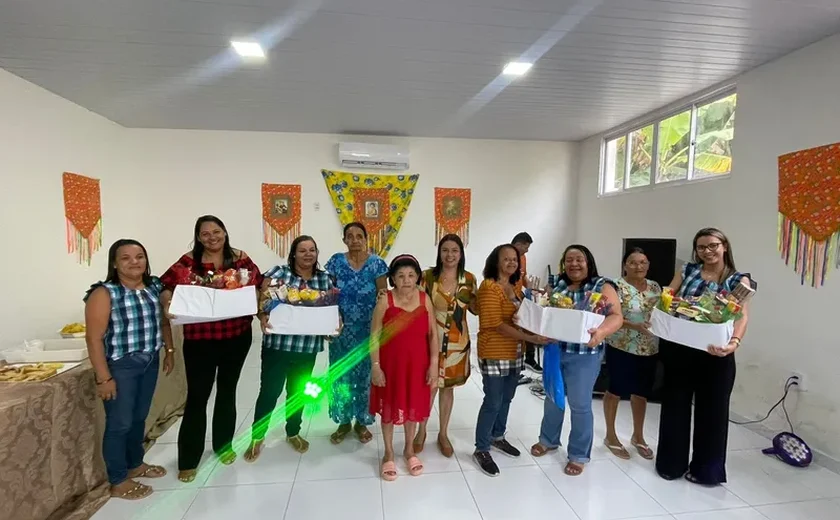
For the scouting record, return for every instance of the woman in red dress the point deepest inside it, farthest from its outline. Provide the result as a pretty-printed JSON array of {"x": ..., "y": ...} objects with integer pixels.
[{"x": 404, "y": 348}]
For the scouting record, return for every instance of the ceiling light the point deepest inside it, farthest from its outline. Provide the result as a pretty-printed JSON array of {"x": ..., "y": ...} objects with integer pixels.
[
  {"x": 248, "y": 49},
  {"x": 516, "y": 68}
]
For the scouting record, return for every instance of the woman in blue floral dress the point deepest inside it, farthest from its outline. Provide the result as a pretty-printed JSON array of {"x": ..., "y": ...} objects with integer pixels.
[{"x": 360, "y": 276}]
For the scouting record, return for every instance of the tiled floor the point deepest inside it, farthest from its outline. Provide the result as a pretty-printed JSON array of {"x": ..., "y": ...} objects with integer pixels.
[{"x": 332, "y": 482}]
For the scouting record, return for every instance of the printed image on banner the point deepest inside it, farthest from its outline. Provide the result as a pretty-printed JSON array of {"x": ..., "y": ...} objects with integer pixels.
[
  {"x": 809, "y": 212},
  {"x": 280, "y": 215},
  {"x": 83, "y": 215},
  {"x": 380, "y": 202},
  {"x": 452, "y": 213}
]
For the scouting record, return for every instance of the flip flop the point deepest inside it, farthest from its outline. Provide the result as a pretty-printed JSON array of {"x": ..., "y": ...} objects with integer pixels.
[
  {"x": 389, "y": 471},
  {"x": 362, "y": 433},
  {"x": 187, "y": 475},
  {"x": 254, "y": 451},
  {"x": 617, "y": 450},
  {"x": 340, "y": 434},
  {"x": 538, "y": 450},
  {"x": 300, "y": 444},
  {"x": 643, "y": 449},
  {"x": 415, "y": 467},
  {"x": 151, "y": 471},
  {"x": 227, "y": 458},
  {"x": 135, "y": 493},
  {"x": 573, "y": 469}
]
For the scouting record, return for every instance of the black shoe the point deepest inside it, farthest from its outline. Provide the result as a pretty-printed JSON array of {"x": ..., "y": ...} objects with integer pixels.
[
  {"x": 507, "y": 448},
  {"x": 486, "y": 464},
  {"x": 534, "y": 365}
]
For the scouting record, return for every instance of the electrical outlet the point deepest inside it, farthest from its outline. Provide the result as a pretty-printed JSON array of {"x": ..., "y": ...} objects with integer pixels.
[
  {"x": 800, "y": 381},
  {"x": 317, "y": 206}
]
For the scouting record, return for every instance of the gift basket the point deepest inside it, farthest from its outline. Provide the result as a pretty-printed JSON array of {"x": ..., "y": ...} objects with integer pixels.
[
  {"x": 300, "y": 310},
  {"x": 558, "y": 317},
  {"x": 213, "y": 296}
]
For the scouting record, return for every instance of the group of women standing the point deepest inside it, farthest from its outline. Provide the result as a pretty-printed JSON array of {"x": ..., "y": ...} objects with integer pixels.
[{"x": 416, "y": 347}]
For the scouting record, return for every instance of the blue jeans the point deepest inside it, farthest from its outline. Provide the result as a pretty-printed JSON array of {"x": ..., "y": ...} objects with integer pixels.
[
  {"x": 125, "y": 417},
  {"x": 493, "y": 414},
  {"x": 580, "y": 371}
]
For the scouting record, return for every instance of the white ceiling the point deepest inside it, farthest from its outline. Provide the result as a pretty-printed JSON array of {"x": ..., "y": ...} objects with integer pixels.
[{"x": 401, "y": 67}]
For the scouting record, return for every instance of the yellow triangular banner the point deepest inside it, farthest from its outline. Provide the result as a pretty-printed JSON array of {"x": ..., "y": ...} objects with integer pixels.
[{"x": 380, "y": 202}]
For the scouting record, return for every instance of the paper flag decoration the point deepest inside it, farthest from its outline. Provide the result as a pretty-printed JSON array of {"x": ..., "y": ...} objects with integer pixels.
[
  {"x": 452, "y": 213},
  {"x": 377, "y": 201},
  {"x": 281, "y": 216},
  {"x": 83, "y": 215},
  {"x": 809, "y": 211}
]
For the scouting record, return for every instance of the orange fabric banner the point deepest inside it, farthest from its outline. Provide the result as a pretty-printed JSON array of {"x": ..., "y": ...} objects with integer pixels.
[
  {"x": 281, "y": 216},
  {"x": 809, "y": 211},
  {"x": 452, "y": 213},
  {"x": 83, "y": 215}
]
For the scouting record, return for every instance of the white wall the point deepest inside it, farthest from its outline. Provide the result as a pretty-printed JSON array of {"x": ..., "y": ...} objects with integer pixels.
[
  {"x": 784, "y": 106},
  {"x": 156, "y": 182}
]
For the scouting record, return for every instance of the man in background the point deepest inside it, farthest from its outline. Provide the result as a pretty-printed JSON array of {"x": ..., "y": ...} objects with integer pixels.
[{"x": 522, "y": 242}]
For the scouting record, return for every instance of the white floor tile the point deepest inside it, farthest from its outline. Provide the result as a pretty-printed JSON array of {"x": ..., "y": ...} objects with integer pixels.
[
  {"x": 603, "y": 492},
  {"x": 812, "y": 510},
  {"x": 350, "y": 459},
  {"x": 464, "y": 443},
  {"x": 278, "y": 463},
  {"x": 225, "y": 503},
  {"x": 741, "y": 438},
  {"x": 442, "y": 496},
  {"x": 433, "y": 460},
  {"x": 518, "y": 493},
  {"x": 161, "y": 505},
  {"x": 352, "y": 499},
  {"x": 678, "y": 496},
  {"x": 760, "y": 480},
  {"x": 729, "y": 514}
]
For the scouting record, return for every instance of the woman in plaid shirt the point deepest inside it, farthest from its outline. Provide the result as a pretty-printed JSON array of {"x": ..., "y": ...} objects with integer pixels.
[
  {"x": 125, "y": 331},
  {"x": 213, "y": 352},
  {"x": 287, "y": 359}
]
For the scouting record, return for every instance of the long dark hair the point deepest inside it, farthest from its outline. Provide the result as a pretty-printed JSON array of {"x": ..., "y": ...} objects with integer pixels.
[
  {"x": 591, "y": 267},
  {"x": 293, "y": 248},
  {"x": 462, "y": 262},
  {"x": 728, "y": 256},
  {"x": 491, "y": 265},
  {"x": 198, "y": 247}
]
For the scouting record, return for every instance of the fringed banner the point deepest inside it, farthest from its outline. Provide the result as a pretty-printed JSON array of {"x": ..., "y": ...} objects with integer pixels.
[
  {"x": 83, "y": 215},
  {"x": 809, "y": 212},
  {"x": 380, "y": 202},
  {"x": 452, "y": 213},
  {"x": 281, "y": 216}
]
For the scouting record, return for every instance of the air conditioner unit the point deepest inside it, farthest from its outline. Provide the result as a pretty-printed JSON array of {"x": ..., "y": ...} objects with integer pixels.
[{"x": 373, "y": 156}]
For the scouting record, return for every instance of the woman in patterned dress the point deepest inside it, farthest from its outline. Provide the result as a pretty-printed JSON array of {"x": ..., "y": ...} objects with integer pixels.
[
  {"x": 631, "y": 353},
  {"x": 452, "y": 291},
  {"x": 360, "y": 276}
]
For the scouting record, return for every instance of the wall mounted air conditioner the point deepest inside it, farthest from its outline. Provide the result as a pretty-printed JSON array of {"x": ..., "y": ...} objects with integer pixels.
[{"x": 373, "y": 156}]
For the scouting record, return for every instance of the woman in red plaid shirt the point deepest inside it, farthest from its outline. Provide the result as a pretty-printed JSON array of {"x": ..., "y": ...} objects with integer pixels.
[{"x": 213, "y": 352}]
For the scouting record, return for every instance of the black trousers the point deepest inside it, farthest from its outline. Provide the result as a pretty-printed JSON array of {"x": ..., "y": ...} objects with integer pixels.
[
  {"x": 708, "y": 380},
  {"x": 278, "y": 368},
  {"x": 530, "y": 352},
  {"x": 210, "y": 361}
]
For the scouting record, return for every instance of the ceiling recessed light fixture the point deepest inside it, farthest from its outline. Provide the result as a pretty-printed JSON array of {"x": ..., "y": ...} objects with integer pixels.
[
  {"x": 248, "y": 49},
  {"x": 516, "y": 68}
]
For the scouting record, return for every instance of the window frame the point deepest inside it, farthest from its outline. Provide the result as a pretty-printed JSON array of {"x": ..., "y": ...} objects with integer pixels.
[{"x": 656, "y": 119}]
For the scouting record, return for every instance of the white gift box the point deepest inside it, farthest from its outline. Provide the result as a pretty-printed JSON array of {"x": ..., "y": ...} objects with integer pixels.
[
  {"x": 690, "y": 333},
  {"x": 567, "y": 325},
  {"x": 197, "y": 304},
  {"x": 299, "y": 320}
]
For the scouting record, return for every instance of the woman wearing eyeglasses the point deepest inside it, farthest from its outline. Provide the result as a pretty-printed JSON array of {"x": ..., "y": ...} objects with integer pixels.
[{"x": 706, "y": 378}]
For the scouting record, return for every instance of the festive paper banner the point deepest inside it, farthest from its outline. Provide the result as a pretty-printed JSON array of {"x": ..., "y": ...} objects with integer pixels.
[
  {"x": 809, "y": 211},
  {"x": 83, "y": 215},
  {"x": 281, "y": 216},
  {"x": 452, "y": 213},
  {"x": 377, "y": 201}
]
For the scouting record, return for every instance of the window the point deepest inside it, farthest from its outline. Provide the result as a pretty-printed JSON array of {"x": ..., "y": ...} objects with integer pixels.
[{"x": 689, "y": 144}]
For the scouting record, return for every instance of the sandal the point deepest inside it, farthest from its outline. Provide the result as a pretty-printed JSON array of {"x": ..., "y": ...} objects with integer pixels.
[
  {"x": 151, "y": 471},
  {"x": 643, "y": 449},
  {"x": 228, "y": 457},
  {"x": 415, "y": 467},
  {"x": 254, "y": 451},
  {"x": 340, "y": 434},
  {"x": 389, "y": 471},
  {"x": 136, "y": 492},
  {"x": 444, "y": 446},
  {"x": 618, "y": 450},
  {"x": 538, "y": 450},
  {"x": 419, "y": 442},
  {"x": 300, "y": 444},
  {"x": 362, "y": 433},
  {"x": 187, "y": 475},
  {"x": 573, "y": 469}
]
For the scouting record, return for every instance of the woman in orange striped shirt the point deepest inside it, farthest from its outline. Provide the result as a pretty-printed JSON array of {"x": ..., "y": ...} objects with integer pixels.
[{"x": 500, "y": 354}]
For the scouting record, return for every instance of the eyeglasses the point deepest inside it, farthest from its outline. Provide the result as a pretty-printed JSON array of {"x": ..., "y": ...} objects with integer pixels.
[
  {"x": 710, "y": 248},
  {"x": 638, "y": 264}
]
